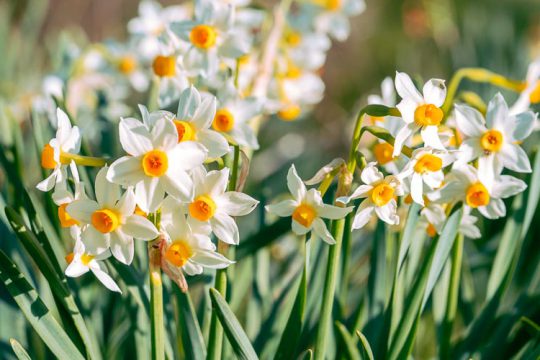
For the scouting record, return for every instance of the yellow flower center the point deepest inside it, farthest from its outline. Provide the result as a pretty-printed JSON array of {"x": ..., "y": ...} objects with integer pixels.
[
  {"x": 293, "y": 72},
  {"x": 477, "y": 195},
  {"x": 431, "y": 231},
  {"x": 47, "y": 157},
  {"x": 534, "y": 96},
  {"x": 376, "y": 119},
  {"x": 293, "y": 38},
  {"x": 289, "y": 112},
  {"x": 155, "y": 163},
  {"x": 86, "y": 258},
  {"x": 178, "y": 253},
  {"x": 428, "y": 114},
  {"x": 333, "y": 5},
  {"x": 69, "y": 257},
  {"x": 383, "y": 153},
  {"x": 105, "y": 220},
  {"x": 203, "y": 36},
  {"x": 186, "y": 131},
  {"x": 127, "y": 64},
  {"x": 491, "y": 140},
  {"x": 382, "y": 194},
  {"x": 164, "y": 66},
  {"x": 428, "y": 163},
  {"x": 304, "y": 214},
  {"x": 202, "y": 208},
  {"x": 65, "y": 219},
  {"x": 138, "y": 211},
  {"x": 223, "y": 121}
]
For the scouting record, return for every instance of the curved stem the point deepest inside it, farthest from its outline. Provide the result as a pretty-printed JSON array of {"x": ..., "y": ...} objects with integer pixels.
[{"x": 66, "y": 158}]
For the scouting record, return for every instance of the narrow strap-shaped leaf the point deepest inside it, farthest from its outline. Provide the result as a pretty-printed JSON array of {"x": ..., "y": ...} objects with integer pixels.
[
  {"x": 306, "y": 355},
  {"x": 236, "y": 335},
  {"x": 19, "y": 351},
  {"x": 350, "y": 348},
  {"x": 192, "y": 339},
  {"x": 366, "y": 348},
  {"x": 291, "y": 334},
  {"x": 408, "y": 234},
  {"x": 264, "y": 237},
  {"x": 35, "y": 311}
]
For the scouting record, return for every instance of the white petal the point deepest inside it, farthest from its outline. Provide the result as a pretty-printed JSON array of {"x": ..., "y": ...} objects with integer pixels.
[
  {"x": 361, "y": 191},
  {"x": 407, "y": 108},
  {"x": 205, "y": 113},
  {"x": 107, "y": 194},
  {"x": 149, "y": 194},
  {"x": 126, "y": 204},
  {"x": 164, "y": 134},
  {"x": 134, "y": 137},
  {"x": 105, "y": 279},
  {"x": 122, "y": 247},
  {"x": 363, "y": 214},
  {"x": 214, "y": 142},
  {"x": 212, "y": 260},
  {"x": 435, "y": 92},
  {"x": 225, "y": 229},
  {"x": 140, "y": 228},
  {"x": 494, "y": 210},
  {"x": 214, "y": 182},
  {"x": 387, "y": 213},
  {"x": 417, "y": 189},
  {"x": 190, "y": 99},
  {"x": 187, "y": 155},
  {"x": 333, "y": 212},
  {"x": 299, "y": 229},
  {"x": 48, "y": 183},
  {"x": 469, "y": 121},
  {"x": 433, "y": 179},
  {"x": 295, "y": 184},
  {"x": 371, "y": 175},
  {"x": 406, "y": 89},
  {"x": 515, "y": 158},
  {"x": 319, "y": 227},
  {"x": 469, "y": 150},
  {"x": 126, "y": 171},
  {"x": 507, "y": 186},
  {"x": 430, "y": 135},
  {"x": 497, "y": 112},
  {"x": 524, "y": 125},
  {"x": 283, "y": 209},
  {"x": 82, "y": 210},
  {"x": 403, "y": 134},
  {"x": 236, "y": 203},
  {"x": 95, "y": 242},
  {"x": 178, "y": 184},
  {"x": 76, "y": 269}
]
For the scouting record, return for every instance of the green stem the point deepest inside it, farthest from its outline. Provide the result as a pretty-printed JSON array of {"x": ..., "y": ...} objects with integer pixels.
[
  {"x": 328, "y": 292},
  {"x": 156, "y": 297},
  {"x": 66, "y": 158},
  {"x": 347, "y": 235},
  {"x": 215, "y": 340},
  {"x": 452, "y": 300}
]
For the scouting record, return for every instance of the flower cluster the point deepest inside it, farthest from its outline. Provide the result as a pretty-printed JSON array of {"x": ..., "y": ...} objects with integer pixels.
[{"x": 215, "y": 69}]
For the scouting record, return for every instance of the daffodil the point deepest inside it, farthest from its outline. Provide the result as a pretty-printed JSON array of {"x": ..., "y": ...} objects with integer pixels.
[
  {"x": 62, "y": 197},
  {"x": 211, "y": 37},
  {"x": 307, "y": 209},
  {"x": 306, "y": 48},
  {"x": 185, "y": 250},
  {"x": 479, "y": 190},
  {"x": 425, "y": 168},
  {"x": 67, "y": 140},
  {"x": 379, "y": 194},
  {"x": 494, "y": 141},
  {"x": 233, "y": 115},
  {"x": 420, "y": 111},
  {"x": 110, "y": 222},
  {"x": 127, "y": 63},
  {"x": 531, "y": 94},
  {"x": 213, "y": 205},
  {"x": 80, "y": 262},
  {"x": 157, "y": 163},
  {"x": 194, "y": 119}
]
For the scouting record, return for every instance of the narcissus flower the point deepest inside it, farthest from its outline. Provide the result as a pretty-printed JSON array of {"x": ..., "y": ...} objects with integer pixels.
[
  {"x": 494, "y": 141},
  {"x": 307, "y": 209},
  {"x": 333, "y": 16},
  {"x": 479, "y": 190},
  {"x": 81, "y": 262},
  {"x": 157, "y": 162},
  {"x": 380, "y": 195},
  {"x": 425, "y": 168},
  {"x": 186, "y": 250},
  {"x": 212, "y": 204},
  {"x": 531, "y": 93},
  {"x": 67, "y": 140},
  {"x": 110, "y": 221},
  {"x": 193, "y": 121},
  {"x": 62, "y": 197},
  {"x": 420, "y": 111}
]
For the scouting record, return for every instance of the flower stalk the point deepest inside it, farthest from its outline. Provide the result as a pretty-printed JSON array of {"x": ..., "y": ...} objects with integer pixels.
[{"x": 156, "y": 296}]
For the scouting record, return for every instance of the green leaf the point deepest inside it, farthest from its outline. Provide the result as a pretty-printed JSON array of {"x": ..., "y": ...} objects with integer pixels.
[
  {"x": 264, "y": 237},
  {"x": 408, "y": 234},
  {"x": 236, "y": 335},
  {"x": 19, "y": 351},
  {"x": 350, "y": 348},
  {"x": 192, "y": 339},
  {"x": 35, "y": 311},
  {"x": 306, "y": 355},
  {"x": 366, "y": 349},
  {"x": 291, "y": 334}
]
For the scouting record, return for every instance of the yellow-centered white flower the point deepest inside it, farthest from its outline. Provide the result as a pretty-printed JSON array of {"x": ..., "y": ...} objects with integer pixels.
[
  {"x": 157, "y": 163},
  {"x": 379, "y": 194},
  {"x": 307, "y": 209},
  {"x": 420, "y": 111},
  {"x": 494, "y": 140},
  {"x": 110, "y": 221}
]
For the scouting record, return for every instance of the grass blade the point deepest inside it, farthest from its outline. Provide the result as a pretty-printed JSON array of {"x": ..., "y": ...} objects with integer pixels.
[
  {"x": 350, "y": 348},
  {"x": 366, "y": 348},
  {"x": 19, "y": 351},
  {"x": 192, "y": 339},
  {"x": 236, "y": 335}
]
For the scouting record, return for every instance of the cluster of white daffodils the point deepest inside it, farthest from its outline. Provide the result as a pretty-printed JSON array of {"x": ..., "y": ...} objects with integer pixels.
[{"x": 444, "y": 165}]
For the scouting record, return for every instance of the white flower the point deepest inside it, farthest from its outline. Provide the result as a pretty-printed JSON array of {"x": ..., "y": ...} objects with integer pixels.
[
  {"x": 81, "y": 262},
  {"x": 306, "y": 48},
  {"x": 110, "y": 221},
  {"x": 211, "y": 37},
  {"x": 213, "y": 205},
  {"x": 186, "y": 250},
  {"x": 307, "y": 209},
  {"x": 333, "y": 16},
  {"x": 493, "y": 141},
  {"x": 531, "y": 93},
  {"x": 128, "y": 65},
  {"x": 479, "y": 190},
  {"x": 233, "y": 115},
  {"x": 420, "y": 111},
  {"x": 62, "y": 197},
  {"x": 425, "y": 167},
  {"x": 67, "y": 140},
  {"x": 157, "y": 162},
  {"x": 193, "y": 121},
  {"x": 379, "y": 193}
]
